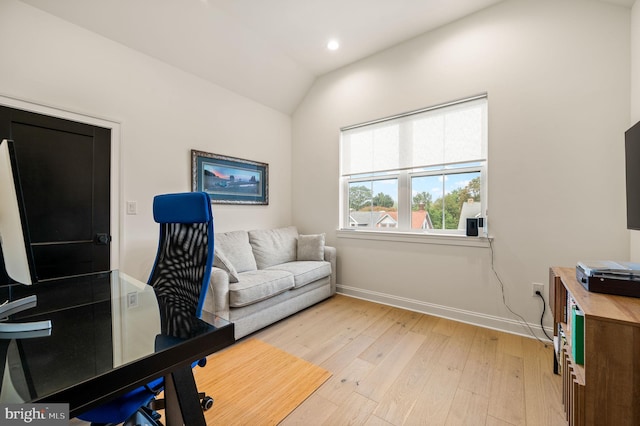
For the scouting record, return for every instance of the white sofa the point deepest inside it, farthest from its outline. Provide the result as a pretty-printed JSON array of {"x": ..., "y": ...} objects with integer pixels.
[{"x": 262, "y": 276}]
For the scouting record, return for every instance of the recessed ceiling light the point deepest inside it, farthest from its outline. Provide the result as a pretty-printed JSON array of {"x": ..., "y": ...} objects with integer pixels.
[{"x": 333, "y": 45}]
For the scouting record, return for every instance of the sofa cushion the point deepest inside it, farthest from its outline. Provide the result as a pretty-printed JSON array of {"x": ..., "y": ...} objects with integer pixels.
[
  {"x": 304, "y": 272},
  {"x": 221, "y": 261},
  {"x": 310, "y": 247},
  {"x": 274, "y": 246},
  {"x": 236, "y": 249},
  {"x": 254, "y": 286}
]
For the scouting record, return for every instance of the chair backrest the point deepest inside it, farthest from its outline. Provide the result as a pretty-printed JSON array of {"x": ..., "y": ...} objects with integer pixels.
[{"x": 183, "y": 263}]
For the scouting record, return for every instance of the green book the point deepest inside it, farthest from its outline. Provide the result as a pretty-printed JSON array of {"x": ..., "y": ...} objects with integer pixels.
[{"x": 577, "y": 335}]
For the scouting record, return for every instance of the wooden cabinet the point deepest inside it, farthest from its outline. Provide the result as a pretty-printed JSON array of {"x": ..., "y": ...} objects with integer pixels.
[{"x": 606, "y": 389}]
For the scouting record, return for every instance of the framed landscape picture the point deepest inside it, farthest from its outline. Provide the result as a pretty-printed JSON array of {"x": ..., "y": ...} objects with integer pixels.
[{"x": 230, "y": 180}]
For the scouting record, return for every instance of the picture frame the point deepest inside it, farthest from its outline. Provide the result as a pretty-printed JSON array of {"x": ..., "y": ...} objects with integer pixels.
[{"x": 230, "y": 180}]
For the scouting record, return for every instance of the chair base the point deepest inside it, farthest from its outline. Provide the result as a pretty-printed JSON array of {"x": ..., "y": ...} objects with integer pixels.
[
  {"x": 143, "y": 417},
  {"x": 206, "y": 402}
]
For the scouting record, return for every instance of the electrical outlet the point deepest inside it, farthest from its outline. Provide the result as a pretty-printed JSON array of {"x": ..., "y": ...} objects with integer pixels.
[{"x": 537, "y": 287}]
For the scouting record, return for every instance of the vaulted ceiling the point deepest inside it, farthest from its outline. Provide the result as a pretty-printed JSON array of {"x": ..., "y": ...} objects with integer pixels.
[{"x": 268, "y": 50}]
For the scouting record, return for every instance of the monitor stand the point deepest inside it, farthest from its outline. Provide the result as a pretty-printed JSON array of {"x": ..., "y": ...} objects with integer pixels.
[{"x": 15, "y": 306}]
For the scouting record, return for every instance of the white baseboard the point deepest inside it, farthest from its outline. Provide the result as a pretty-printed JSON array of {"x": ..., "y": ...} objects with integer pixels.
[{"x": 481, "y": 320}]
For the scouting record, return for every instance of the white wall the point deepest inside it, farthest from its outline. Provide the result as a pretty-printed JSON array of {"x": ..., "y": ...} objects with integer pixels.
[
  {"x": 163, "y": 112},
  {"x": 635, "y": 63},
  {"x": 635, "y": 100},
  {"x": 557, "y": 76}
]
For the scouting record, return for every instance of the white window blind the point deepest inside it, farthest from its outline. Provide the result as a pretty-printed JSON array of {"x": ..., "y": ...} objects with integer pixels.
[{"x": 436, "y": 136}]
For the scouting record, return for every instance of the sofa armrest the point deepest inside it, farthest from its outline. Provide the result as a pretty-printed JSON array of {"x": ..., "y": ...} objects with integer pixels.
[
  {"x": 217, "y": 299},
  {"x": 330, "y": 256}
]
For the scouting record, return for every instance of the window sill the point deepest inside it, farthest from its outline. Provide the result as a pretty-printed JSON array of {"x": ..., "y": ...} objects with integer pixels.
[{"x": 417, "y": 238}]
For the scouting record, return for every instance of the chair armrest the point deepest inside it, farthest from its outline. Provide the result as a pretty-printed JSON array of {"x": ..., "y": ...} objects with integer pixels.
[
  {"x": 217, "y": 298},
  {"x": 330, "y": 255}
]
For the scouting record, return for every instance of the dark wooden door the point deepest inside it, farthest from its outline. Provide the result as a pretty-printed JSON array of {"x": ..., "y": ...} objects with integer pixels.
[{"x": 64, "y": 167}]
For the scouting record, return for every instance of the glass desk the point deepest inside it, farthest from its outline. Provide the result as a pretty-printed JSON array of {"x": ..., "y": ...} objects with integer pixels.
[{"x": 109, "y": 334}]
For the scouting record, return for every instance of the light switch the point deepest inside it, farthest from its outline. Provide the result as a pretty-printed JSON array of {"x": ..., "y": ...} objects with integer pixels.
[{"x": 132, "y": 207}]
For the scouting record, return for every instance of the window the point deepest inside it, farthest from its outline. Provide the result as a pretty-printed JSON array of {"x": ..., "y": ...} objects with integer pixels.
[{"x": 422, "y": 171}]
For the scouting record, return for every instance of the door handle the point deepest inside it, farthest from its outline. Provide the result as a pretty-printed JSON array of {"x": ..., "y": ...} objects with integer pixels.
[{"x": 102, "y": 239}]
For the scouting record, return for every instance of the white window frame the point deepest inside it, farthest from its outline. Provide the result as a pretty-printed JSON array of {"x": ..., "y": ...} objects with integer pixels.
[{"x": 404, "y": 232}]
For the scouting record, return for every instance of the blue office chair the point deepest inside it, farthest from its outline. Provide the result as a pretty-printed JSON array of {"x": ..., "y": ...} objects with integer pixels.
[{"x": 179, "y": 277}]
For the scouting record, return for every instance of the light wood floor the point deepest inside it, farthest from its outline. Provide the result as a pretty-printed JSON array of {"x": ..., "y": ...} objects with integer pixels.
[{"x": 396, "y": 367}]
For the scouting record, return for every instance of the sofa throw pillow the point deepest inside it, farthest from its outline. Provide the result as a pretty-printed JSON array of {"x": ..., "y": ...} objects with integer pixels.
[
  {"x": 311, "y": 247},
  {"x": 221, "y": 261},
  {"x": 236, "y": 248},
  {"x": 274, "y": 246}
]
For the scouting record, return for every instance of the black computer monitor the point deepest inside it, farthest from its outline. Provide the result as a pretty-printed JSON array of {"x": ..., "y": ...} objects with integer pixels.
[
  {"x": 14, "y": 237},
  {"x": 14, "y": 232},
  {"x": 632, "y": 166}
]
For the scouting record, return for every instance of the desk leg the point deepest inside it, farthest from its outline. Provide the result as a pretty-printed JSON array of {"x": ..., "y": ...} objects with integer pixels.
[{"x": 181, "y": 399}]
